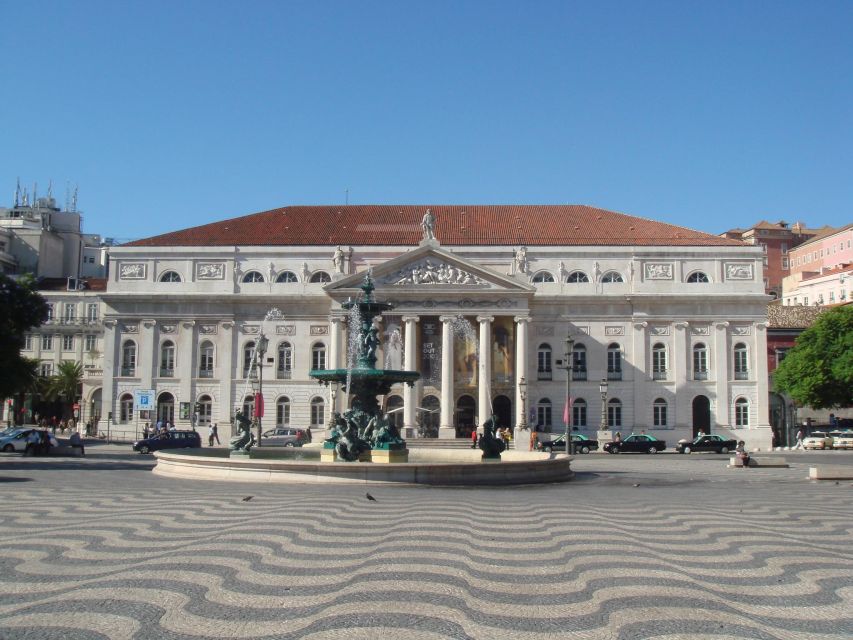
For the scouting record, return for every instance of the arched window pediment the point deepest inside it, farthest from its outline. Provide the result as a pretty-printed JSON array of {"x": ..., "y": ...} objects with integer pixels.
[{"x": 253, "y": 276}]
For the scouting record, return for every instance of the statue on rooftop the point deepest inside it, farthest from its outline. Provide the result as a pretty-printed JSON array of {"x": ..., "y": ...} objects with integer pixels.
[{"x": 428, "y": 225}]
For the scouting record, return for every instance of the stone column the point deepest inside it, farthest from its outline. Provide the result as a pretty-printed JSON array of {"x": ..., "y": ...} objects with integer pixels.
[
  {"x": 148, "y": 355},
  {"x": 720, "y": 366},
  {"x": 521, "y": 436},
  {"x": 185, "y": 365},
  {"x": 759, "y": 373},
  {"x": 225, "y": 372},
  {"x": 484, "y": 371},
  {"x": 642, "y": 376},
  {"x": 335, "y": 331},
  {"x": 410, "y": 394},
  {"x": 111, "y": 369},
  {"x": 446, "y": 427},
  {"x": 683, "y": 409}
]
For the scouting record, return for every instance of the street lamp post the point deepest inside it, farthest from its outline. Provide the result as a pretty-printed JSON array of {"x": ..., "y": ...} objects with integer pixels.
[
  {"x": 567, "y": 411},
  {"x": 260, "y": 352},
  {"x": 602, "y": 387},
  {"x": 522, "y": 393}
]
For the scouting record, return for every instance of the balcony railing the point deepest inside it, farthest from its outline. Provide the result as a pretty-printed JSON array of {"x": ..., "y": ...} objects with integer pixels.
[
  {"x": 128, "y": 371},
  {"x": 700, "y": 375},
  {"x": 282, "y": 374},
  {"x": 579, "y": 374},
  {"x": 544, "y": 374},
  {"x": 205, "y": 373},
  {"x": 614, "y": 375},
  {"x": 659, "y": 374},
  {"x": 167, "y": 372},
  {"x": 741, "y": 375}
]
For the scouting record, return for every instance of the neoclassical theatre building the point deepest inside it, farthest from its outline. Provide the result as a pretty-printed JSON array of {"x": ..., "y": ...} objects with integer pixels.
[{"x": 484, "y": 298}]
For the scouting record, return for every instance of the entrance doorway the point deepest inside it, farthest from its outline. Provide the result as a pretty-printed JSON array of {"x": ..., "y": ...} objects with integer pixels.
[
  {"x": 465, "y": 411},
  {"x": 166, "y": 408},
  {"x": 502, "y": 408},
  {"x": 701, "y": 415},
  {"x": 429, "y": 416}
]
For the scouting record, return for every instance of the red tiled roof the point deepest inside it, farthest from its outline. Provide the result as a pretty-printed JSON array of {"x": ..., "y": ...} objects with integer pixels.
[{"x": 455, "y": 225}]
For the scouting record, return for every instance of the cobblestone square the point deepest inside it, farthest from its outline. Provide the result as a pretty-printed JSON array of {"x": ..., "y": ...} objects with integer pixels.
[{"x": 660, "y": 546}]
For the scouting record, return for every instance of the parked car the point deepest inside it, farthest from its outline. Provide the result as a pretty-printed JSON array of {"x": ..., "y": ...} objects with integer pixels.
[
  {"x": 284, "y": 437},
  {"x": 16, "y": 440},
  {"x": 818, "y": 440},
  {"x": 170, "y": 440},
  {"x": 715, "y": 443},
  {"x": 635, "y": 443},
  {"x": 842, "y": 439},
  {"x": 582, "y": 444}
]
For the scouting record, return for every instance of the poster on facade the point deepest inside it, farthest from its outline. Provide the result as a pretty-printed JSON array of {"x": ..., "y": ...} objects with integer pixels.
[
  {"x": 430, "y": 351},
  {"x": 502, "y": 350},
  {"x": 185, "y": 411},
  {"x": 465, "y": 351}
]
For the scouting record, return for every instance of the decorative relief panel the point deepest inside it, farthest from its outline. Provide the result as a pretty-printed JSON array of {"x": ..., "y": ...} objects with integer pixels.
[
  {"x": 210, "y": 271},
  {"x": 659, "y": 331},
  {"x": 132, "y": 271},
  {"x": 130, "y": 328},
  {"x": 614, "y": 331},
  {"x": 739, "y": 271},
  {"x": 741, "y": 331},
  {"x": 319, "y": 330},
  {"x": 167, "y": 328},
  {"x": 700, "y": 331},
  {"x": 544, "y": 331},
  {"x": 285, "y": 330},
  {"x": 583, "y": 330},
  {"x": 207, "y": 329},
  {"x": 251, "y": 329},
  {"x": 658, "y": 270},
  {"x": 432, "y": 272},
  {"x": 502, "y": 303}
]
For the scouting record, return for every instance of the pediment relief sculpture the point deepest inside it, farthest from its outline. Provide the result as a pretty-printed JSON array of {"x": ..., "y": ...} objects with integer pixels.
[{"x": 432, "y": 272}]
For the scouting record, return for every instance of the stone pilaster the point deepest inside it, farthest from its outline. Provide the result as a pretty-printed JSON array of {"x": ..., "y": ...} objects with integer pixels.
[
  {"x": 484, "y": 370},
  {"x": 410, "y": 394},
  {"x": 446, "y": 426}
]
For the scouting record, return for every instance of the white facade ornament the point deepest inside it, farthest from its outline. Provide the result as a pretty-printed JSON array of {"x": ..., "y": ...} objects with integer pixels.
[
  {"x": 306, "y": 272},
  {"x": 428, "y": 225},
  {"x": 741, "y": 331},
  {"x": 430, "y": 272},
  {"x": 167, "y": 328},
  {"x": 739, "y": 271},
  {"x": 132, "y": 271},
  {"x": 251, "y": 329},
  {"x": 210, "y": 271},
  {"x": 207, "y": 329},
  {"x": 520, "y": 263},
  {"x": 658, "y": 271},
  {"x": 564, "y": 273},
  {"x": 285, "y": 330},
  {"x": 659, "y": 331},
  {"x": 130, "y": 328},
  {"x": 542, "y": 330},
  {"x": 700, "y": 330},
  {"x": 614, "y": 331},
  {"x": 319, "y": 330},
  {"x": 338, "y": 259}
]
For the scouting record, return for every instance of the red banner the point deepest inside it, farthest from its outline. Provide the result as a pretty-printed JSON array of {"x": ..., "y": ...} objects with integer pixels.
[{"x": 259, "y": 406}]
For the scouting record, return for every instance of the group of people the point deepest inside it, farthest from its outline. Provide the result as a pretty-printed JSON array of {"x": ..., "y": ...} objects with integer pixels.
[
  {"x": 504, "y": 433},
  {"x": 160, "y": 428}
]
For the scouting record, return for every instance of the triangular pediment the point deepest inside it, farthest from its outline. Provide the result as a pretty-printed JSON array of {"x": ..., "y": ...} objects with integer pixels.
[{"x": 431, "y": 268}]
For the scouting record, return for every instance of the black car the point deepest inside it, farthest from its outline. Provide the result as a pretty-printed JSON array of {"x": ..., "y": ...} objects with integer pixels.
[
  {"x": 581, "y": 443},
  {"x": 717, "y": 444},
  {"x": 170, "y": 440},
  {"x": 635, "y": 444}
]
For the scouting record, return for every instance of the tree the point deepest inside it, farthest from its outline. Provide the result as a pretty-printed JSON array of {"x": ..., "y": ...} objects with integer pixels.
[
  {"x": 818, "y": 371},
  {"x": 22, "y": 309},
  {"x": 65, "y": 384}
]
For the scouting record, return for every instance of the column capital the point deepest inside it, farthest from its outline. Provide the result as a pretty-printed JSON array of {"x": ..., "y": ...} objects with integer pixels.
[
  {"x": 110, "y": 324},
  {"x": 447, "y": 319},
  {"x": 187, "y": 324},
  {"x": 227, "y": 324},
  {"x": 337, "y": 319},
  {"x": 761, "y": 326},
  {"x": 640, "y": 325},
  {"x": 520, "y": 319},
  {"x": 408, "y": 319},
  {"x": 681, "y": 326},
  {"x": 482, "y": 319},
  {"x": 148, "y": 323},
  {"x": 721, "y": 326}
]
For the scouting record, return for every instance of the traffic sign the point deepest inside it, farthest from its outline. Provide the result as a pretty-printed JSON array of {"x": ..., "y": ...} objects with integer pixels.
[{"x": 143, "y": 400}]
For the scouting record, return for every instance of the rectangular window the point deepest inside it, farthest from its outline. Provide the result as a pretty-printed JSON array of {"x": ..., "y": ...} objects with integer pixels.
[
  {"x": 282, "y": 413},
  {"x": 579, "y": 365},
  {"x": 67, "y": 343},
  {"x": 318, "y": 359},
  {"x": 742, "y": 415},
  {"x": 543, "y": 415},
  {"x": 91, "y": 342},
  {"x": 659, "y": 415},
  {"x": 843, "y": 294},
  {"x": 806, "y": 300},
  {"x": 46, "y": 342},
  {"x": 700, "y": 364},
  {"x": 543, "y": 369},
  {"x": 92, "y": 312},
  {"x": 785, "y": 263},
  {"x": 659, "y": 364},
  {"x": 784, "y": 247},
  {"x": 614, "y": 415},
  {"x": 28, "y": 342},
  {"x": 832, "y": 296},
  {"x": 69, "y": 312},
  {"x": 579, "y": 415},
  {"x": 741, "y": 370},
  {"x": 46, "y": 369},
  {"x": 50, "y": 311}
]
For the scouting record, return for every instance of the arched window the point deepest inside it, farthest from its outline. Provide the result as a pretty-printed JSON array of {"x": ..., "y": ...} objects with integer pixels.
[
  {"x": 126, "y": 408},
  {"x": 614, "y": 362},
  {"x": 282, "y": 411},
  {"x": 166, "y": 408},
  {"x": 170, "y": 276},
  {"x": 579, "y": 413},
  {"x": 320, "y": 276},
  {"x": 284, "y": 365},
  {"x": 249, "y": 406},
  {"x": 543, "y": 413},
  {"x": 394, "y": 408},
  {"x": 614, "y": 413},
  {"x": 248, "y": 357},
  {"x": 741, "y": 412},
  {"x": 579, "y": 362},
  {"x": 700, "y": 361},
  {"x": 659, "y": 362},
  {"x": 287, "y": 276},
  {"x": 128, "y": 358},
  {"x": 576, "y": 277},
  {"x": 611, "y": 276},
  {"x": 318, "y": 412},
  {"x": 205, "y": 410},
  {"x": 543, "y": 371},
  {"x": 205, "y": 362},
  {"x": 253, "y": 276},
  {"x": 697, "y": 276},
  {"x": 543, "y": 276},
  {"x": 318, "y": 356},
  {"x": 167, "y": 359},
  {"x": 741, "y": 362},
  {"x": 659, "y": 413}
]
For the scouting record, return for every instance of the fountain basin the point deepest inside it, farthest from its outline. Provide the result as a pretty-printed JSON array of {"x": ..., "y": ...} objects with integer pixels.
[{"x": 437, "y": 467}]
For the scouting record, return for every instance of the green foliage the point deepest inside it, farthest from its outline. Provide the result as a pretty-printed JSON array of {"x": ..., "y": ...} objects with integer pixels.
[
  {"x": 818, "y": 371},
  {"x": 22, "y": 309},
  {"x": 65, "y": 385}
]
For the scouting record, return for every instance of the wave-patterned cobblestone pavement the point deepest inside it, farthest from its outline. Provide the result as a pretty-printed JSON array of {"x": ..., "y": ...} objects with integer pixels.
[{"x": 693, "y": 551}]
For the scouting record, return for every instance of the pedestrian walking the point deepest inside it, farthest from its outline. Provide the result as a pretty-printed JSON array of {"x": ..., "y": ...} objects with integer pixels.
[
  {"x": 210, "y": 435},
  {"x": 215, "y": 429},
  {"x": 799, "y": 439},
  {"x": 473, "y": 438},
  {"x": 532, "y": 440}
]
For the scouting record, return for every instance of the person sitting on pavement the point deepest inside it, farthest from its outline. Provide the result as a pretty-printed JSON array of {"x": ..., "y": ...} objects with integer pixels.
[
  {"x": 742, "y": 454},
  {"x": 77, "y": 442}
]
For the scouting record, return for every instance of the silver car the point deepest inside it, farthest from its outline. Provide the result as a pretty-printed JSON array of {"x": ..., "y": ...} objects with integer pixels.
[
  {"x": 284, "y": 437},
  {"x": 17, "y": 440}
]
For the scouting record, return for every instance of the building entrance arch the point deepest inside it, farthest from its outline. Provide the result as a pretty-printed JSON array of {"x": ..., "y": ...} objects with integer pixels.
[
  {"x": 701, "y": 415},
  {"x": 429, "y": 413},
  {"x": 502, "y": 408},
  {"x": 466, "y": 409},
  {"x": 166, "y": 407}
]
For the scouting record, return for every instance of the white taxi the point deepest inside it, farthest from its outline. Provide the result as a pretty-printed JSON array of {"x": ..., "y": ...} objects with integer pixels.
[
  {"x": 818, "y": 440},
  {"x": 842, "y": 439}
]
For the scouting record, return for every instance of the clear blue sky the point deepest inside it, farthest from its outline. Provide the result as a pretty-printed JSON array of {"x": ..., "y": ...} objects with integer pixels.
[{"x": 172, "y": 114}]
